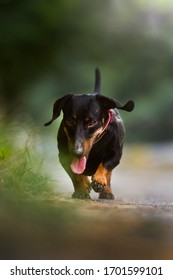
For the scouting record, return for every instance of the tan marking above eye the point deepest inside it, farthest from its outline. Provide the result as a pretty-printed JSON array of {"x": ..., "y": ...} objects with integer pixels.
[{"x": 71, "y": 121}]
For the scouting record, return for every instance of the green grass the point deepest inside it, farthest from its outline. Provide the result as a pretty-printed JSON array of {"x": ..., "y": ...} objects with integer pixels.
[{"x": 20, "y": 164}]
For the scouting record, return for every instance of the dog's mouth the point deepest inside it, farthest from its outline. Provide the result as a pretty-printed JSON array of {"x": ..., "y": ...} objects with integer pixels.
[{"x": 78, "y": 165}]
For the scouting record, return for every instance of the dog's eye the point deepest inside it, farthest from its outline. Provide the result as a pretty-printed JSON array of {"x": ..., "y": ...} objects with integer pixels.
[{"x": 91, "y": 123}]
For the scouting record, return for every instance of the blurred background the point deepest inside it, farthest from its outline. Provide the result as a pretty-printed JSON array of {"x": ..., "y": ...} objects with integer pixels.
[{"x": 51, "y": 48}]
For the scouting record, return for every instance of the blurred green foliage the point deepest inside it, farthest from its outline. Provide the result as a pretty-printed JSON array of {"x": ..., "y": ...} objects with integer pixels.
[
  {"x": 21, "y": 172},
  {"x": 50, "y": 48}
]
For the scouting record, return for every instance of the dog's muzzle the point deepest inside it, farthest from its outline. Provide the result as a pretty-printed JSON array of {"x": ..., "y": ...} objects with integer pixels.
[
  {"x": 78, "y": 164},
  {"x": 78, "y": 149}
]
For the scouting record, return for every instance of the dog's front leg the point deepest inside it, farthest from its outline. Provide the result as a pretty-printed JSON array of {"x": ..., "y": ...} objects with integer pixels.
[
  {"x": 81, "y": 185},
  {"x": 101, "y": 182}
]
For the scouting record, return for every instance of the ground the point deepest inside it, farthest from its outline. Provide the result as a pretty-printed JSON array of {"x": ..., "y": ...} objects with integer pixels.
[{"x": 138, "y": 224}]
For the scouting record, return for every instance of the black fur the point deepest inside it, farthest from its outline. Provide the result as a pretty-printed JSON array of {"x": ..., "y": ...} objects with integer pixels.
[{"x": 91, "y": 128}]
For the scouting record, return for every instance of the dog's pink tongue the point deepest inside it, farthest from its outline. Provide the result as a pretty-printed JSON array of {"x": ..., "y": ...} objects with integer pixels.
[{"x": 78, "y": 165}]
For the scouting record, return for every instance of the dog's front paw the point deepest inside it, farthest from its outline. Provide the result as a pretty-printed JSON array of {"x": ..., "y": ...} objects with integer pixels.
[
  {"x": 97, "y": 187},
  {"x": 106, "y": 195},
  {"x": 81, "y": 195}
]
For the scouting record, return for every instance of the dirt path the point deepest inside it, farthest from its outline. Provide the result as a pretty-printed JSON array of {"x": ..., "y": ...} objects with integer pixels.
[{"x": 138, "y": 224}]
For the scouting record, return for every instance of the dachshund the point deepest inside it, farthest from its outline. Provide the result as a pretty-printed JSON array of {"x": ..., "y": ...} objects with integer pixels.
[{"x": 90, "y": 139}]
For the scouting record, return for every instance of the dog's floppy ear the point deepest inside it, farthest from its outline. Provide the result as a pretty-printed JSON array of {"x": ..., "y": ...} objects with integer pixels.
[
  {"x": 58, "y": 106},
  {"x": 110, "y": 103},
  {"x": 97, "y": 87}
]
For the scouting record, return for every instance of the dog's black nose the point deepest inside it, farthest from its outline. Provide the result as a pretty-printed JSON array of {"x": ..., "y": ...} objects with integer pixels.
[{"x": 78, "y": 149}]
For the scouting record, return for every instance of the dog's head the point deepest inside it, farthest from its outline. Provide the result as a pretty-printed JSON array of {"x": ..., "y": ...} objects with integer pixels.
[{"x": 86, "y": 117}]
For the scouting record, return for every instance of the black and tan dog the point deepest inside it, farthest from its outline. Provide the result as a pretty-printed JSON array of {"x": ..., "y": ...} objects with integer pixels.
[{"x": 90, "y": 139}]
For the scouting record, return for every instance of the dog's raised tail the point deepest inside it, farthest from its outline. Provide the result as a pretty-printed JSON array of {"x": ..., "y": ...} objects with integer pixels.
[{"x": 97, "y": 88}]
